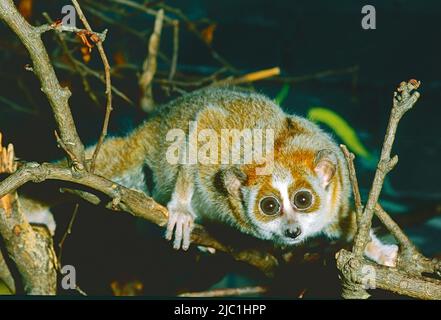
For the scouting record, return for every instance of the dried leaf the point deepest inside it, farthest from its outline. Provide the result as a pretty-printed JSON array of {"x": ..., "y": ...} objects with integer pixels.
[
  {"x": 119, "y": 58},
  {"x": 57, "y": 23},
  {"x": 132, "y": 288},
  {"x": 7, "y": 165},
  {"x": 208, "y": 33},
  {"x": 83, "y": 35},
  {"x": 25, "y": 8},
  {"x": 85, "y": 51}
]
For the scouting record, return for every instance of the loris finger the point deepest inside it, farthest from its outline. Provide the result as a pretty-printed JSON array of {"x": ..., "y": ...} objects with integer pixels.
[
  {"x": 172, "y": 219},
  {"x": 178, "y": 233},
  {"x": 188, "y": 227}
]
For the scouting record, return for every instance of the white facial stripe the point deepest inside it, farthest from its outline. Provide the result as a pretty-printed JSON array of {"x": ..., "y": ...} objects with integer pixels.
[
  {"x": 282, "y": 186},
  {"x": 252, "y": 196}
]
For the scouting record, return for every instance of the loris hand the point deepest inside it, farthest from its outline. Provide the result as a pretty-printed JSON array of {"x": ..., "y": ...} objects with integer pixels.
[{"x": 180, "y": 222}]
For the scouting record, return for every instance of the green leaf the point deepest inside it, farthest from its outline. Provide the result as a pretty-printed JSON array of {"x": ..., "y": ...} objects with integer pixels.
[
  {"x": 341, "y": 128},
  {"x": 283, "y": 94}
]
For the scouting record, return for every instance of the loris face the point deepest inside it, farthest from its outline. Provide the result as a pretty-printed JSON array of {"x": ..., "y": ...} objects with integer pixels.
[{"x": 296, "y": 201}]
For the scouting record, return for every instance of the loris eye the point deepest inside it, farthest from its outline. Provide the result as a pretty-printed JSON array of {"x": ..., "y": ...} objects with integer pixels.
[
  {"x": 303, "y": 200},
  {"x": 270, "y": 206}
]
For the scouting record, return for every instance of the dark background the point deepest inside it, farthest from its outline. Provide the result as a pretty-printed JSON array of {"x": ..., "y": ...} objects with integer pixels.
[{"x": 300, "y": 37}]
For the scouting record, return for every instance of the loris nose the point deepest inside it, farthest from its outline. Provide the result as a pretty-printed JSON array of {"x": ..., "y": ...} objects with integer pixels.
[{"x": 293, "y": 232}]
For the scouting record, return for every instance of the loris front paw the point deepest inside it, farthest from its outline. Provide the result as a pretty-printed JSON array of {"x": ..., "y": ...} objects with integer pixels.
[
  {"x": 180, "y": 223},
  {"x": 384, "y": 254}
]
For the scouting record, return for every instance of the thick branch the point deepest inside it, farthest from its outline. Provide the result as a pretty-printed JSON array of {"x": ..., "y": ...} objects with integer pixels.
[
  {"x": 58, "y": 96},
  {"x": 30, "y": 249},
  {"x": 131, "y": 201},
  {"x": 371, "y": 276}
]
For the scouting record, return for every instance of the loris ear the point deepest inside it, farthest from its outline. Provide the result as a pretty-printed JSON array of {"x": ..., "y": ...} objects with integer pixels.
[
  {"x": 229, "y": 181},
  {"x": 325, "y": 165}
]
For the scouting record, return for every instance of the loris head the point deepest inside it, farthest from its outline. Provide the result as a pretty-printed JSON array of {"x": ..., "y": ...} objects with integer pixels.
[{"x": 298, "y": 200}]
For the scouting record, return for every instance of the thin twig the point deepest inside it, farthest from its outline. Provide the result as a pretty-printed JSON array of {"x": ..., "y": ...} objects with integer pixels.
[
  {"x": 103, "y": 56},
  {"x": 354, "y": 182},
  {"x": 150, "y": 64},
  {"x": 99, "y": 13},
  {"x": 228, "y": 292},
  {"x": 63, "y": 28},
  {"x": 140, "y": 7},
  {"x": 16, "y": 107},
  {"x": 410, "y": 259},
  {"x": 190, "y": 81},
  {"x": 80, "y": 291},
  {"x": 216, "y": 55},
  {"x": 68, "y": 232},
  {"x": 174, "y": 60},
  {"x": 88, "y": 71},
  {"x": 58, "y": 96},
  {"x": 316, "y": 75},
  {"x": 73, "y": 62},
  {"x": 250, "y": 77}
]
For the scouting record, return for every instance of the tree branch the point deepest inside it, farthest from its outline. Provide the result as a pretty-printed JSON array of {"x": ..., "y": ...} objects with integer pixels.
[
  {"x": 228, "y": 292},
  {"x": 357, "y": 273},
  {"x": 409, "y": 259},
  {"x": 30, "y": 248},
  {"x": 108, "y": 81},
  {"x": 131, "y": 201},
  {"x": 354, "y": 182},
  {"x": 402, "y": 102},
  {"x": 58, "y": 96},
  {"x": 358, "y": 270},
  {"x": 123, "y": 198},
  {"x": 149, "y": 67}
]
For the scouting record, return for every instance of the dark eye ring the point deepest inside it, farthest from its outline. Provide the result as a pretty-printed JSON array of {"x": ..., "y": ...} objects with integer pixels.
[
  {"x": 270, "y": 206},
  {"x": 303, "y": 200}
]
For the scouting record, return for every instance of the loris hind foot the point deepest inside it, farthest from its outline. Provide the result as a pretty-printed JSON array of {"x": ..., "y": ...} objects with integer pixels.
[{"x": 384, "y": 254}]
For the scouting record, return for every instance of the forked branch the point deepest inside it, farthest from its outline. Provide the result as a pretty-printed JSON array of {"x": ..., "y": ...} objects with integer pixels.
[{"x": 359, "y": 274}]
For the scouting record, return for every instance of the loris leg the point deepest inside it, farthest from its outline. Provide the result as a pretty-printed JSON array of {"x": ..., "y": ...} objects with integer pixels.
[{"x": 181, "y": 215}]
